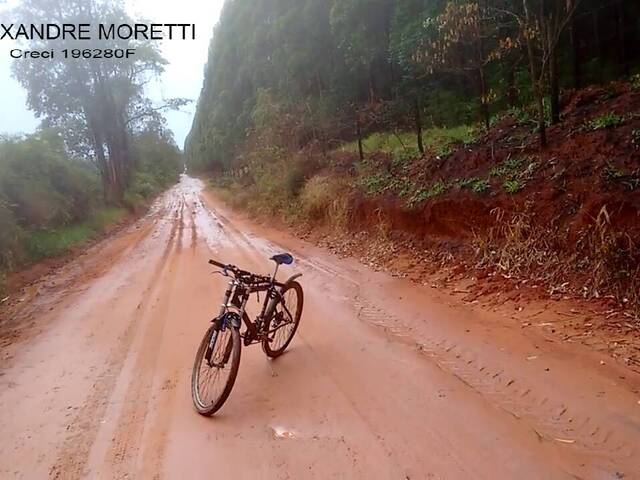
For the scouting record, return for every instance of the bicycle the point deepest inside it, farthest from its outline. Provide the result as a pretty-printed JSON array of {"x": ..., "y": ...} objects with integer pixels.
[{"x": 218, "y": 358}]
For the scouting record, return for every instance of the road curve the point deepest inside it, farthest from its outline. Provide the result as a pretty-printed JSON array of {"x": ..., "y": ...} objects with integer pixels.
[{"x": 385, "y": 379}]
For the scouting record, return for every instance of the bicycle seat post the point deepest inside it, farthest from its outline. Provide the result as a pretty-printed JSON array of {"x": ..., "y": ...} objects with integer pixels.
[{"x": 275, "y": 272}]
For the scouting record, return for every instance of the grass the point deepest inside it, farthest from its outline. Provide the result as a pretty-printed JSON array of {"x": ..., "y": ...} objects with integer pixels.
[
  {"x": 608, "y": 120},
  {"x": 480, "y": 186},
  {"x": 49, "y": 243},
  {"x": 423, "y": 194},
  {"x": 475, "y": 184},
  {"x": 323, "y": 199},
  {"x": 440, "y": 141},
  {"x": 376, "y": 184},
  {"x": 512, "y": 186},
  {"x": 509, "y": 167}
]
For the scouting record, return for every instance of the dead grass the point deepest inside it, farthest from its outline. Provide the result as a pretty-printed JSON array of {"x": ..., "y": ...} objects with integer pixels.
[
  {"x": 517, "y": 248},
  {"x": 612, "y": 259},
  {"x": 324, "y": 200},
  {"x": 603, "y": 262}
]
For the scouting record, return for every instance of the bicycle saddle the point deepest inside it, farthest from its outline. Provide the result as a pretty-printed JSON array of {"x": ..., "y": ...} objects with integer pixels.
[{"x": 283, "y": 258}]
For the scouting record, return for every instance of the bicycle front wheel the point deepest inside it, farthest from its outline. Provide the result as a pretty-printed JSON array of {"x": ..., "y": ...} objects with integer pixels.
[{"x": 215, "y": 369}]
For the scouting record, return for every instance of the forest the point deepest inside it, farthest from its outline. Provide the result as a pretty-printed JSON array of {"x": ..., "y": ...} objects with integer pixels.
[
  {"x": 502, "y": 133},
  {"x": 386, "y": 64}
]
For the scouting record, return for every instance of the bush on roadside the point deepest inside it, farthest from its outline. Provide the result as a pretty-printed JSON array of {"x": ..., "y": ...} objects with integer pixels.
[
  {"x": 324, "y": 199},
  {"x": 42, "y": 185},
  {"x": 10, "y": 236}
]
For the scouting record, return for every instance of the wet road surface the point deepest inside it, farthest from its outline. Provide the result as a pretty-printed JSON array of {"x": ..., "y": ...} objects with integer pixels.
[{"x": 385, "y": 379}]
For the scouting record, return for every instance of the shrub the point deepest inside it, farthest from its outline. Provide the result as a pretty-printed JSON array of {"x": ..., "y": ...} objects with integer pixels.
[
  {"x": 323, "y": 198},
  {"x": 424, "y": 194},
  {"x": 43, "y": 186},
  {"x": 480, "y": 186},
  {"x": 608, "y": 120},
  {"x": 512, "y": 186},
  {"x": 10, "y": 236}
]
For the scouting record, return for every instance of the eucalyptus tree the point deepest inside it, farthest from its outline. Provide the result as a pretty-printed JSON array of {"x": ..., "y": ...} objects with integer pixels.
[{"x": 95, "y": 101}]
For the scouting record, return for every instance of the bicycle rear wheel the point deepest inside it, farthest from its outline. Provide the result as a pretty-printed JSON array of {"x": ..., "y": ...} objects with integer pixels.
[
  {"x": 215, "y": 369},
  {"x": 284, "y": 322}
]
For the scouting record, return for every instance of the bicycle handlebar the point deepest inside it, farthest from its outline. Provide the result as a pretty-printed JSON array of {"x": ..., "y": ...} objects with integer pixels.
[
  {"x": 218, "y": 264},
  {"x": 242, "y": 275}
]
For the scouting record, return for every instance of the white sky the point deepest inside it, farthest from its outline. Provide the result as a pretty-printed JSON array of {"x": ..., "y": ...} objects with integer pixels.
[{"x": 182, "y": 77}]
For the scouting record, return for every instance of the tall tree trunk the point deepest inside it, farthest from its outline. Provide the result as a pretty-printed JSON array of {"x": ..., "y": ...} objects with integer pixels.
[
  {"x": 622, "y": 43},
  {"x": 575, "y": 53},
  {"x": 418, "y": 120},
  {"x": 359, "y": 134},
  {"x": 484, "y": 99},
  {"x": 536, "y": 79},
  {"x": 372, "y": 84},
  {"x": 484, "y": 94},
  {"x": 512, "y": 90},
  {"x": 554, "y": 81},
  {"x": 596, "y": 36}
]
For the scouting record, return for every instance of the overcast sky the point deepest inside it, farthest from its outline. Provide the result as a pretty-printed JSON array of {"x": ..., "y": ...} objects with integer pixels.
[{"x": 182, "y": 77}]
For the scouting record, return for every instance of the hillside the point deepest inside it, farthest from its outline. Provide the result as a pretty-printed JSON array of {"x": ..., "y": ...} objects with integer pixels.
[{"x": 492, "y": 161}]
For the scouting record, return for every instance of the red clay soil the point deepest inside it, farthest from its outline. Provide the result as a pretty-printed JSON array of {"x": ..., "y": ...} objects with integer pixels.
[
  {"x": 580, "y": 202},
  {"x": 569, "y": 186},
  {"x": 580, "y": 207}
]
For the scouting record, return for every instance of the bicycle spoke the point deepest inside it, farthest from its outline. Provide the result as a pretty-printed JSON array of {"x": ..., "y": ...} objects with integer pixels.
[{"x": 212, "y": 379}]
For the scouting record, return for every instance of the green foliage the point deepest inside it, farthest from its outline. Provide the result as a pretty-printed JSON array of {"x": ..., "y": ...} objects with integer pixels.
[
  {"x": 50, "y": 202},
  {"x": 608, "y": 120},
  {"x": 515, "y": 172},
  {"x": 424, "y": 194},
  {"x": 376, "y": 184},
  {"x": 480, "y": 186},
  {"x": 404, "y": 145},
  {"x": 510, "y": 166},
  {"x": 475, "y": 184},
  {"x": 158, "y": 162},
  {"x": 10, "y": 237},
  {"x": 52, "y": 242},
  {"x": 42, "y": 185},
  {"x": 520, "y": 115},
  {"x": 512, "y": 186},
  {"x": 48, "y": 243}
]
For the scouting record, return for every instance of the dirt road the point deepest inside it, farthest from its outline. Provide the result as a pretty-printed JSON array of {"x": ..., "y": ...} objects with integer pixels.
[{"x": 384, "y": 379}]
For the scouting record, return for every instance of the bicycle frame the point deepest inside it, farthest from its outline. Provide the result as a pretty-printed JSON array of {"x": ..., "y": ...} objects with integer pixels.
[{"x": 235, "y": 301}]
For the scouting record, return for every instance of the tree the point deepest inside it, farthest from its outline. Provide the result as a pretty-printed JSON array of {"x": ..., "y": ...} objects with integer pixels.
[
  {"x": 463, "y": 39},
  {"x": 541, "y": 29},
  {"x": 94, "y": 100},
  {"x": 362, "y": 29}
]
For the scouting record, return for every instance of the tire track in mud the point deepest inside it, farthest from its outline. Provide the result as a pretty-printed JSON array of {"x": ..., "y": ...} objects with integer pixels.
[
  {"x": 125, "y": 444},
  {"x": 268, "y": 247},
  {"x": 550, "y": 418},
  {"x": 71, "y": 462}
]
